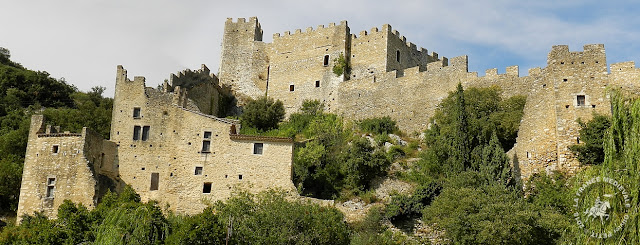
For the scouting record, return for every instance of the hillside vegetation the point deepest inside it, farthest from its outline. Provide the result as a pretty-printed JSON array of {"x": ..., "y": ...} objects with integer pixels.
[
  {"x": 24, "y": 92},
  {"x": 464, "y": 188}
]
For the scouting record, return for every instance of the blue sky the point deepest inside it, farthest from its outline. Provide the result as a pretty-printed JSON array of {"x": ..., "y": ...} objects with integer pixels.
[{"x": 84, "y": 40}]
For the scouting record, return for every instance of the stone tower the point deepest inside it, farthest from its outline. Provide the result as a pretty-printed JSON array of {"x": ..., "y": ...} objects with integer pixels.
[{"x": 244, "y": 62}]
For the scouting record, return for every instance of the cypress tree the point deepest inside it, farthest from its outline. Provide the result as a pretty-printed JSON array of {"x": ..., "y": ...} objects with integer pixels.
[{"x": 460, "y": 141}]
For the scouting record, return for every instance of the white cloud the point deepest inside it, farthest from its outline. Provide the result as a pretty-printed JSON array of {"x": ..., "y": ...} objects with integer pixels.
[{"x": 83, "y": 41}]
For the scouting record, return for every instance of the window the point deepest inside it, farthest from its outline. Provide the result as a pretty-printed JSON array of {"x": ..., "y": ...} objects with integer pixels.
[
  {"x": 291, "y": 87},
  {"x": 326, "y": 60},
  {"x": 317, "y": 84},
  {"x": 198, "y": 171},
  {"x": 206, "y": 188},
  {"x": 136, "y": 112},
  {"x": 51, "y": 186},
  {"x": 206, "y": 143},
  {"x": 240, "y": 176},
  {"x": 55, "y": 149},
  {"x": 528, "y": 154},
  {"x": 155, "y": 178},
  {"x": 257, "y": 148},
  {"x": 206, "y": 146},
  {"x": 580, "y": 100},
  {"x": 398, "y": 55},
  {"x": 136, "y": 132},
  {"x": 145, "y": 133}
]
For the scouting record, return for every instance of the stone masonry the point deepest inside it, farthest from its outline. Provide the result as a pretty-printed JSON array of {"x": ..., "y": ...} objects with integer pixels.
[
  {"x": 161, "y": 144},
  {"x": 169, "y": 147},
  {"x": 392, "y": 77}
]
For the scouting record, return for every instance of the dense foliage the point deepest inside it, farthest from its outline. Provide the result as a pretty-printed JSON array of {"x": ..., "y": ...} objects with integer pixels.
[
  {"x": 263, "y": 113},
  {"x": 592, "y": 135},
  {"x": 23, "y": 93},
  {"x": 266, "y": 218}
]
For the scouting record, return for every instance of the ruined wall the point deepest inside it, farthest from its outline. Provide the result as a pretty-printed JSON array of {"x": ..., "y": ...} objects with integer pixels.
[
  {"x": 172, "y": 164},
  {"x": 202, "y": 87},
  {"x": 63, "y": 165},
  {"x": 301, "y": 64},
  {"x": 244, "y": 62}
]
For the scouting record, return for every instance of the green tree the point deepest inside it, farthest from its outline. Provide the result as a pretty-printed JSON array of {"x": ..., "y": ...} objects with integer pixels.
[
  {"x": 460, "y": 142},
  {"x": 269, "y": 218},
  {"x": 472, "y": 213},
  {"x": 202, "y": 228},
  {"x": 592, "y": 134},
  {"x": 263, "y": 113}
]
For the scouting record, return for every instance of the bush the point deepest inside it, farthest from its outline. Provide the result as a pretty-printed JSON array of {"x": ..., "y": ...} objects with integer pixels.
[
  {"x": 403, "y": 206},
  {"x": 263, "y": 113},
  {"x": 378, "y": 125},
  {"x": 592, "y": 134}
]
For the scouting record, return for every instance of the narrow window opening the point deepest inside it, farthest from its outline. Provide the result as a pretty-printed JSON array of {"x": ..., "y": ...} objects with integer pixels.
[
  {"x": 580, "y": 100},
  {"x": 240, "y": 176},
  {"x": 206, "y": 188},
  {"x": 145, "y": 133},
  {"x": 291, "y": 87},
  {"x": 528, "y": 154},
  {"x": 136, "y": 132},
  {"x": 136, "y": 112},
  {"x": 51, "y": 186},
  {"x": 55, "y": 149},
  {"x": 326, "y": 60},
  {"x": 206, "y": 146},
  {"x": 257, "y": 148},
  {"x": 198, "y": 171},
  {"x": 155, "y": 178},
  {"x": 317, "y": 84},
  {"x": 577, "y": 140},
  {"x": 398, "y": 55}
]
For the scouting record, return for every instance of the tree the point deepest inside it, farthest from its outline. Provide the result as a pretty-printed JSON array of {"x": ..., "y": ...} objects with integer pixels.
[
  {"x": 263, "y": 113},
  {"x": 269, "y": 218},
  {"x": 472, "y": 213},
  {"x": 202, "y": 228},
  {"x": 592, "y": 134}
]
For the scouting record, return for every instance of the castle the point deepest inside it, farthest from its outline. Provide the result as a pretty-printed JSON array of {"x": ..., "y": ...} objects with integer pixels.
[{"x": 169, "y": 146}]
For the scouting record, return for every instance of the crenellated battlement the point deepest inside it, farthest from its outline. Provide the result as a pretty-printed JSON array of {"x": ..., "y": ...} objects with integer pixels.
[
  {"x": 309, "y": 31},
  {"x": 509, "y": 71},
  {"x": 592, "y": 54},
  {"x": 623, "y": 67}
]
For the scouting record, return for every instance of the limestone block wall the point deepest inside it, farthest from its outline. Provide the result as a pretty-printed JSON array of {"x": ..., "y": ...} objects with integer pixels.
[
  {"x": 203, "y": 88},
  {"x": 369, "y": 52},
  {"x": 244, "y": 61},
  {"x": 62, "y": 165},
  {"x": 410, "y": 100},
  {"x": 189, "y": 158},
  {"x": 580, "y": 80},
  {"x": 301, "y": 64}
]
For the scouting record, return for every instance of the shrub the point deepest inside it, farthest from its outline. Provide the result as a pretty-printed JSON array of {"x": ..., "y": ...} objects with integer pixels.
[
  {"x": 378, "y": 125},
  {"x": 263, "y": 113}
]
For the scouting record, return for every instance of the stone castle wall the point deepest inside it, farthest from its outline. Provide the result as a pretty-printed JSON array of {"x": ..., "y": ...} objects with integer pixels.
[
  {"x": 392, "y": 77},
  {"x": 174, "y": 150},
  {"x": 169, "y": 147},
  {"x": 63, "y": 165}
]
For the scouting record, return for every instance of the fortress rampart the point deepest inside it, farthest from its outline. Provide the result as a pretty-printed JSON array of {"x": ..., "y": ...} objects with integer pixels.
[{"x": 169, "y": 145}]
